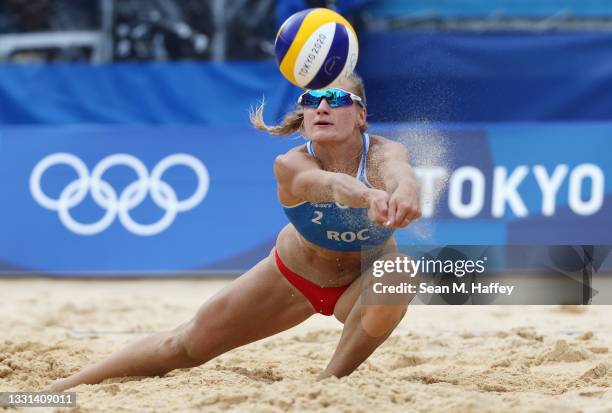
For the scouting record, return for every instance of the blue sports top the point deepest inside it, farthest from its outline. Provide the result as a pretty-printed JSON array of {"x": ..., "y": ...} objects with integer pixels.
[{"x": 335, "y": 226}]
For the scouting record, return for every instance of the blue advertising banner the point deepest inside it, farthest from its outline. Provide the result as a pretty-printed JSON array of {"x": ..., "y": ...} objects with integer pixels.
[
  {"x": 93, "y": 200},
  {"x": 152, "y": 93},
  {"x": 546, "y": 183},
  {"x": 409, "y": 76},
  {"x": 476, "y": 76},
  {"x": 156, "y": 200}
]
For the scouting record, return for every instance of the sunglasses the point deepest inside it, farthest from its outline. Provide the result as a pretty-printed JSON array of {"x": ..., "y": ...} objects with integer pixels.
[{"x": 335, "y": 98}]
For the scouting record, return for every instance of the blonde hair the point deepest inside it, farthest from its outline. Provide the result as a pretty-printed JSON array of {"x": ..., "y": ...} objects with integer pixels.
[{"x": 294, "y": 121}]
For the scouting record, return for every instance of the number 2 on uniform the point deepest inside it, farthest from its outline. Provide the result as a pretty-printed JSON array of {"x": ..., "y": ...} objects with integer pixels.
[{"x": 317, "y": 218}]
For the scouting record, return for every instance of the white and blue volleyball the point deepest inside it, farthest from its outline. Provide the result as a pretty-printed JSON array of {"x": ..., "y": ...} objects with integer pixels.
[{"x": 316, "y": 47}]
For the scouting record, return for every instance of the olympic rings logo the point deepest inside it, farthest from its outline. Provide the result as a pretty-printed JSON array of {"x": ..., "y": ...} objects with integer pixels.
[{"x": 162, "y": 194}]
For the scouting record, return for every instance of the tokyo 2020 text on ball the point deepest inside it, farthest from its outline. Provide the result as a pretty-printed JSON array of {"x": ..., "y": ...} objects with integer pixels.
[{"x": 316, "y": 47}]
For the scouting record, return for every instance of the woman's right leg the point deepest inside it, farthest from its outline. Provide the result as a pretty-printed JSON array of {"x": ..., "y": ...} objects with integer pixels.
[{"x": 258, "y": 304}]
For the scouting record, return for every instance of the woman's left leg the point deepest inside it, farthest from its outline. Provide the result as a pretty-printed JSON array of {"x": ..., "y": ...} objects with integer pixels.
[
  {"x": 368, "y": 322},
  {"x": 258, "y": 304}
]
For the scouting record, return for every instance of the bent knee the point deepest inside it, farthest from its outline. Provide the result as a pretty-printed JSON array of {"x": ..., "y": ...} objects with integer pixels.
[
  {"x": 341, "y": 313},
  {"x": 193, "y": 344},
  {"x": 380, "y": 320},
  {"x": 182, "y": 344},
  {"x": 173, "y": 344},
  {"x": 205, "y": 336}
]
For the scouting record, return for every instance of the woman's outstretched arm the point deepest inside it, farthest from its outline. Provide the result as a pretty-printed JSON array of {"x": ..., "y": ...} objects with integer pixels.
[
  {"x": 400, "y": 182},
  {"x": 300, "y": 179}
]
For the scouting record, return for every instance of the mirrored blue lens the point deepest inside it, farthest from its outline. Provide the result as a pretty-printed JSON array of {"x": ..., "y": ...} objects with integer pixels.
[
  {"x": 335, "y": 98},
  {"x": 311, "y": 101}
]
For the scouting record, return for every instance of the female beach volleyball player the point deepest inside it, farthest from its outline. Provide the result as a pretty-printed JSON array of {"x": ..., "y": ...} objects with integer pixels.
[{"x": 344, "y": 193}]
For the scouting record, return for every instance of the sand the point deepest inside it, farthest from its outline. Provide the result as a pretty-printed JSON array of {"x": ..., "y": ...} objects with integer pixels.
[{"x": 441, "y": 358}]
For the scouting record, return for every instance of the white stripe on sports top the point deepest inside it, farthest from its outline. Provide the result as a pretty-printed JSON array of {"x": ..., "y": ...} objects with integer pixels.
[{"x": 362, "y": 174}]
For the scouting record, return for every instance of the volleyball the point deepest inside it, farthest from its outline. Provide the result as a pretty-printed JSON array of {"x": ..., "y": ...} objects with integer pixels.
[{"x": 316, "y": 47}]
